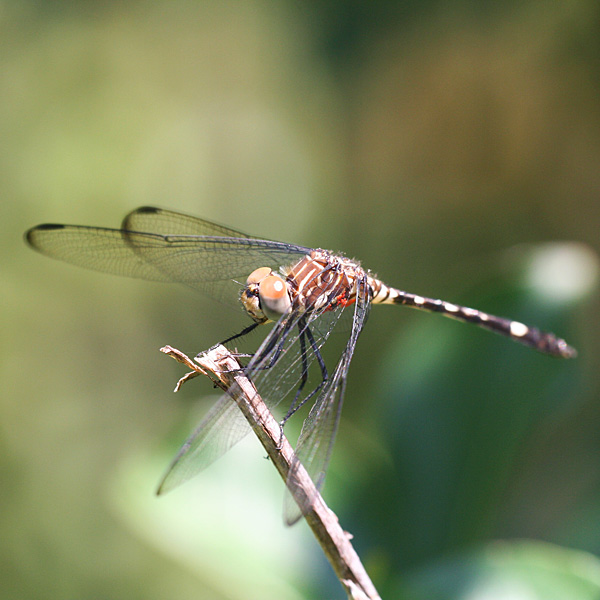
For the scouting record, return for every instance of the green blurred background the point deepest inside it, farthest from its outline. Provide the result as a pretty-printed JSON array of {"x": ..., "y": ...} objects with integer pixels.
[{"x": 453, "y": 147}]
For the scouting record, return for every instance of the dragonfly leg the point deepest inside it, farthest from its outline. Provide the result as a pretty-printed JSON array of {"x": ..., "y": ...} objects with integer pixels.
[
  {"x": 242, "y": 333},
  {"x": 277, "y": 344},
  {"x": 256, "y": 362},
  {"x": 297, "y": 405},
  {"x": 302, "y": 328}
]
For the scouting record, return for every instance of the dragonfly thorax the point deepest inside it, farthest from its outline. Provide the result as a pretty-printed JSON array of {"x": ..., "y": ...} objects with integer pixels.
[{"x": 266, "y": 295}]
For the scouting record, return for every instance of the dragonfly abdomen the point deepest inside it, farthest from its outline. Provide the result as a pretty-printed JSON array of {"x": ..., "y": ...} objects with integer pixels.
[{"x": 547, "y": 343}]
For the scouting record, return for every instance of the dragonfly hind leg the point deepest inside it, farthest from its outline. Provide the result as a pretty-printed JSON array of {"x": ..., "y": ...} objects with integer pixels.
[{"x": 298, "y": 403}]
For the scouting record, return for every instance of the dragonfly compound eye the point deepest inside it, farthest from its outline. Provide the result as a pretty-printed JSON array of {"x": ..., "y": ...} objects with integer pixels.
[
  {"x": 274, "y": 298},
  {"x": 258, "y": 275}
]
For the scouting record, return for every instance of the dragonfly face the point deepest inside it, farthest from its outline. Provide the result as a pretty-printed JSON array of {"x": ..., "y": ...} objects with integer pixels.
[
  {"x": 304, "y": 291},
  {"x": 266, "y": 296}
]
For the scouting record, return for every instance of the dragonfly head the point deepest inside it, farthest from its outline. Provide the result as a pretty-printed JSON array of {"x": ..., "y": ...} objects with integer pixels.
[{"x": 266, "y": 295}]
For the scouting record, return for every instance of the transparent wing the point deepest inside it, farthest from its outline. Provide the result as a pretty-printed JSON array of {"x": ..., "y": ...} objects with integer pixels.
[
  {"x": 276, "y": 369},
  {"x": 222, "y": 428},
  {"x": 317, "y": 437},
  {"x": 211, "y": 261},
  {"x": 159, "y": 220}
]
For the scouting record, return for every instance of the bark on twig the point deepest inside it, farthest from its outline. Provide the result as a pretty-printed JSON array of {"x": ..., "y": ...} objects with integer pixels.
[{"x": 225, "y": 372}]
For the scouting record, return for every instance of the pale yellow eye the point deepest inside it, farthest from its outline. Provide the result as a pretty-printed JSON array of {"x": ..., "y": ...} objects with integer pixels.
[{"x": 258, "y": 275}]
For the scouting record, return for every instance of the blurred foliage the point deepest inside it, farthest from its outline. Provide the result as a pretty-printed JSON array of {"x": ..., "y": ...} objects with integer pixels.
[{"x": 442, "y": 143}]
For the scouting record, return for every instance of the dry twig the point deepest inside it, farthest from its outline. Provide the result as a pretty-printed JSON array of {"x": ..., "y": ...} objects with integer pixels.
[{"x": 225, "y": 372}]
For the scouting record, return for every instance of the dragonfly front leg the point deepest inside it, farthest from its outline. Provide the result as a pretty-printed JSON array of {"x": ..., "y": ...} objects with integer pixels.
[{"x": 242, "y": 333}]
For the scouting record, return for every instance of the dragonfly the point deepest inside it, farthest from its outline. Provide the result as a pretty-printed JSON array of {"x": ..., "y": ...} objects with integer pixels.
[{"x": 305, "y": 293}]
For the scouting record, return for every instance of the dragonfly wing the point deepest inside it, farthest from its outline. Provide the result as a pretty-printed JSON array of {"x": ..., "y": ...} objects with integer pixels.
[
  {"x": 317, "y": 437},
  {"x": 163, "y": 221},
  {"x": 220, "y": 430},
  {"x": 276, "y": 369},
  {"x": 209, "y": 263},
  {"x": 99, "y": 249},
  {"x": 225, "y": 424}
]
